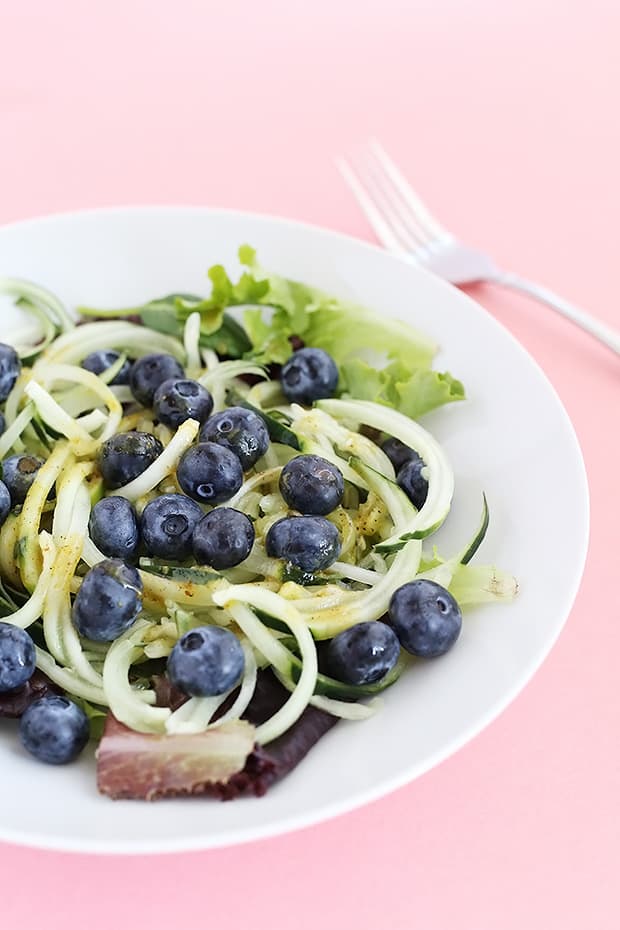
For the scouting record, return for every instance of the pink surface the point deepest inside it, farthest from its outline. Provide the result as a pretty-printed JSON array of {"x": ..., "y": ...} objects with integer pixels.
[{"x": 507, "y": 121}]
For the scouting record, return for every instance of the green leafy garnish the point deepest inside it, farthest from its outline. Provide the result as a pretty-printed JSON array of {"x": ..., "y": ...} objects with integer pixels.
[
  {"x": 218, "y": 330},
  {"x": 412, "y": 391},
  {"x": 380, "y": 359},
  {"x": 187, "y": 574},
  {"x": 395, "y": 364},
  {"x": 278, "y": 431},
  {"x": 7, "y": 602},
  {"x": 96, "y": 716}
]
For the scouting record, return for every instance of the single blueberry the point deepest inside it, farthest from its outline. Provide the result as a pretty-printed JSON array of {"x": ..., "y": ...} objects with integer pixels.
[
  {"x": 364, "y": 653},
  {"x": 209, "y": 473},
  {"x": 2, "y": 423},
  {"x": 17, "y": 657},
  {"x": 113, "y": 527},
  {"x": 10, "y": 367},
  {"x": 397, "y": 452},
  {"x": 108, "y": 601},
  {"x": 240, "y": 430},
  {"x": 148, "y": 372},
  {"x": 167, "y": 524},
  {"x": 425, "y": 617},
  {"x": 18, "y": 473},
  {"x": 223, "y": 538},
  {"x": 126, "y": 455},
  {"x": 308, "y": 543},
  {"x": 102, "y": 359},
  {"x": 54, "y": 729},
  {"x": 311, "y": 484},
  {"x": 206, "y": 661},
  {"x": 5, "y": 502},
  {"x": 180, "y": 399},
  {"x": 412, "y": 481},
  {"x": 309, "y": 375}
]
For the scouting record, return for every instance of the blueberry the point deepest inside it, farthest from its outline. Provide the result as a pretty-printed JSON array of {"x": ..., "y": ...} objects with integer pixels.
[
  {"x": 10, "y": 367},
  {"x": 240, "y": 430},
  {"x": 100, "y": 361},
  {"x": 425, "y": 617},
  {"x": 397, "y": 452},
  {"x": 126, "y": 455},
  {"x": 168, "y": 523},
  {"x": 17, "y": 657},
  {"x": 113, "y": 527},
  {"x": 206, "y": 661},
  {"x": 54, "y": 729},
  {"x": 311, "y": 484},
  {"x": 18, "y": 473},
  {"x": 308, "y": 375},
  {"x": 180, "y": 399},
  {"x": 108, "y": 602},
  {"x": 309, "y": 543},
  {"x": 5, "y": 502},
  {"x": 223, "y": 538},
  {"x": 149, "y": 372},
  {"x": 412, "y": 481},
  {"x": 209, "y": 473},
  {"x": 2, "y": 423},
  {"x": 364, "y": 653}
]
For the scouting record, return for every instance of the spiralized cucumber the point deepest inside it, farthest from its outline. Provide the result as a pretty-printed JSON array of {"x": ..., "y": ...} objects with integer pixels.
[
  {"x": 196, "y": 715},
  {"x": 12, "y": 434},
  {"x": 235, "y": 599},
  {"x": 191, "y": 341},
  {"x": 60, "y": 633},
  {"x": 163, "y": 464},
  {"x": 31, "y": 610},
  {"x": 439, "y": 472},
  {"x": 73, "y": 346},
  {"x": 50, "y": 311},
  {"x": 131, "y": 706},
  {"x": 28, "y": 550}
]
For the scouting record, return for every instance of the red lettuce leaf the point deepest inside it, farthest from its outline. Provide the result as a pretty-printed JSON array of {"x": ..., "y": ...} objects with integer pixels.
[
  {"x": 149, "y": 766},
  {"x": 138, "y": 765},
  {"x": 14, "y": 703}
]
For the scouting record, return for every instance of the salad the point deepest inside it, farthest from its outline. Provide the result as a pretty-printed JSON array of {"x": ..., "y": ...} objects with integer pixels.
[{"x": 216, "y": 529}]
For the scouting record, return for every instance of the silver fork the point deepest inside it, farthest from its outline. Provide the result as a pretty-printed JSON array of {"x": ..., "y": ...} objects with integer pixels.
[{"x": 404, "y": 225}]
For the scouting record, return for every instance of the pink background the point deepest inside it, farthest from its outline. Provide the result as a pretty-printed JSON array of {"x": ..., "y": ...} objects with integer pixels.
[{"x": 505, "y": 116}]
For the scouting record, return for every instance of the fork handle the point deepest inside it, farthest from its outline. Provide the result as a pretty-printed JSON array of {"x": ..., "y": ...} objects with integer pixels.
[{"x": 602, "y": 332}]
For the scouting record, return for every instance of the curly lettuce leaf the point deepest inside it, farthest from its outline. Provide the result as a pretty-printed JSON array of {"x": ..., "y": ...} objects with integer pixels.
[
  {"x": 218, "y": 329},
  {"x": 414, "y": 392},
  {"x": 380, "y": 359},
  {"x": 342, "y": 328},
  {"x": 384, "y": 360},
  {"x": 149, "y": 766}
]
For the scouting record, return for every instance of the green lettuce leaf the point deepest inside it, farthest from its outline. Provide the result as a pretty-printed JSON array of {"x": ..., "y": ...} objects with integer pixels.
[
  {"x": 96, "y": 716},
  {"x": 380, "y": 359},
  {"x": 218, "y": 329},
  {"x": 383, "y": 360},
  {"x": 414, "y": 392},
  {"x": 342, "y": 328}
]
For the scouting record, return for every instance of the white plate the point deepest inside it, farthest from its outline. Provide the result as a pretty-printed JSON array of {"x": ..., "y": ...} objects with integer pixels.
[{"x": 511, "y": 438}]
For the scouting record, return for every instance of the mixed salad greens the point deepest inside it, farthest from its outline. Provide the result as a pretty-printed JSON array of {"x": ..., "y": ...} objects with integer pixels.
[{"x": 215, "y": 514}]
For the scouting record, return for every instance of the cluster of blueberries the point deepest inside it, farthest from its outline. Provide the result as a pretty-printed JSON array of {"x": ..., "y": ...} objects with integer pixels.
[
  {"x": 423, "y": 617},
  {"x": 173, "y": 526}
]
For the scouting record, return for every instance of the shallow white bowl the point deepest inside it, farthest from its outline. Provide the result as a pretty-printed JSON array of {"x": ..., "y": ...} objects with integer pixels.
[{"x": 511, "y": 438}]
